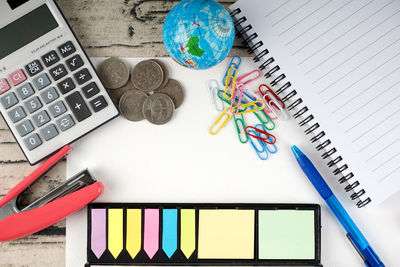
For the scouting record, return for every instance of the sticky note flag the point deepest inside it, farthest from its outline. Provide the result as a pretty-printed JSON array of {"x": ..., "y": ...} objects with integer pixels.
[
  {"x": 115, "y": 231},
  {"x": 98, "y": 234},
  {"x": 151, "y": 231},
  {"x": 133, "y": 231},
  {"x": 188, "y": 232},
  {"x": 170, "y": 231}
]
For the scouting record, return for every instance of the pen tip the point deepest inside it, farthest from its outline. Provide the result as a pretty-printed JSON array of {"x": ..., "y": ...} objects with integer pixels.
[{"x": 296, "y": 151}]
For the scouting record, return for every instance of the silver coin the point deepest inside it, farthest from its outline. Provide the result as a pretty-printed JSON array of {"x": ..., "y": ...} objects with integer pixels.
[
  {"x": 131, "y": 105},
  {"x": 158, "y": 108},
  {"x": 175, "y": 91},
  {"x": 165, "y": 71},
  {"x": 147, "y": 76},
  {"x": 114, "y": 73},
  {"x": 116, "y": 94}
]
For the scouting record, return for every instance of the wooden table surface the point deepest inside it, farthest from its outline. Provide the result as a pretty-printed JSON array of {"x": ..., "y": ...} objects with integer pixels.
[{"x": 124, "y": 28}]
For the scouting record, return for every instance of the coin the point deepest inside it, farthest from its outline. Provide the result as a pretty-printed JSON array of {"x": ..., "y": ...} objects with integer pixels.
[
  {"x": 165, "y": 71},
  {"x": 114, "y": 73},
  {"x": 158, "y": 108},
  {"x": 131, "y": 105},
  {"x": 147, "y": 76},
  {"x": 116, "y": 94},
  {"x": 174, "y": 90}
]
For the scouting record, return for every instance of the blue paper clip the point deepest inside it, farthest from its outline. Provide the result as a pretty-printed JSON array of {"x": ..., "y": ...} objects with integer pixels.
[
  {"x": 232, "y": 63},
  {"x": 260, "y": 152},
  {"x": 267, "y": 146},
  {"x": 240, "y": 128}
]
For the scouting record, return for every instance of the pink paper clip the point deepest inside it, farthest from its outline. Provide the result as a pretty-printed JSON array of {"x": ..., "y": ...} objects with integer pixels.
[
  {"x": 238, "y": 89},
  {"x": 254, "y": 75}
]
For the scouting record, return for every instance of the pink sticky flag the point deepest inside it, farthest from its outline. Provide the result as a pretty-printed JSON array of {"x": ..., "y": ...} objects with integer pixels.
[
  {"x": 151, "y": 231},
  {"x": 98, "y": 235}
]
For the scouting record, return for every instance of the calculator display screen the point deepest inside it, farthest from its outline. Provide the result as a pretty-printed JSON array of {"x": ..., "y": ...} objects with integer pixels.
[{"x": 25, "y": 30}]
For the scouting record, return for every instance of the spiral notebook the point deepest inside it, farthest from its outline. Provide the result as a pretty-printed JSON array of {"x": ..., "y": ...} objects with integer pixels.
[{"x": 337, "y": 65}]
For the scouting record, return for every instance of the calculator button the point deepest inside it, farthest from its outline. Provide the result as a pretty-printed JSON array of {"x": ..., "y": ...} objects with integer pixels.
[
  {"x": 24, "y": 128},
  {"x": 17, "y": 114},
  {"x": 34, "y": 68},
  {"x": 67, "y": 49},
  {"x": 49, "y": 132},
  {"x": 66, "y": 86},
  {"x": 57, "y": 109},
  {"x": 4, "y": 86},
  {"x": 65, "y": 123},
  {"x": 33, "y": 141},
  {"x": 98, "y": 103},
  {"x": 33, "y": 104},
  {"x": 78, "y": 106},
  {"x": 58, "y": 72},
  {"x": 41, "y": 118},
  {"x": 41, "y": 81},
  {"x": 82, "y": 76},
  {"x": 90, "y": 90},
  {"x": 25, "y": 91},
  {"x": 74, "y": 63},
  {"x": 50, "y": 58},
  {"x": 17, "y": 77},
  {"x": 49, "y": 95},
  {"x": 9, "y": 100}
]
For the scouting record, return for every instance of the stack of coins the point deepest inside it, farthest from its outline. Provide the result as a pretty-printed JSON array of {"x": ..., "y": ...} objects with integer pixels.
[{"x": 145, "y": 92}]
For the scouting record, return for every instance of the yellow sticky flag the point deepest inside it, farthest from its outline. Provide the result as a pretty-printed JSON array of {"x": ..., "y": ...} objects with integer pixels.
[
  {"x": 133, "y": 231},
  {"x": 115, "y": 231},
  {"x": 188, "y": 232}
]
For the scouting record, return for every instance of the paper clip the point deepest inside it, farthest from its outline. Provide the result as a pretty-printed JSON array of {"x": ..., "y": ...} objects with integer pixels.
[
  {"x": 256, "y": 106},
  {"x": 272, "y": 104},
  {"x": 240, "y": 79},
  {"x": 267, "y": 145},
  {"x": 221, "y": 121},
  {"x": 271, "y": 95},
  {"x": 261, "y": 151},
  {"x": 269, "y": 138},
  {"x": 240, "y": 128},
  {"x": 232, "y": 63},
  {"x": 220, "y": 96},
  {"x": 237, "y": 90},
  {"x": 214, "y": 88},
  {"x": 265, "y": 119},
  {"x": 233, "y": 81}
]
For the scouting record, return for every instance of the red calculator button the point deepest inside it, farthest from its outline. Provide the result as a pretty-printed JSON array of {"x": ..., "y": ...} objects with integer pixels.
[
  {"x": 4, "y": 86},
  {"x": 17, "y": 77}
]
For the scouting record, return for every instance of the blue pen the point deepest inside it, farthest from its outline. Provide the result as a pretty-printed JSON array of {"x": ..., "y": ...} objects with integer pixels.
[{"x": 353, "y": 233}]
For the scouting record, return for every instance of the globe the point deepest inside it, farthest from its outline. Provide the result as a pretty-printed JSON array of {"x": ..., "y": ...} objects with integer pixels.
[{"x": 198, "y": 34}]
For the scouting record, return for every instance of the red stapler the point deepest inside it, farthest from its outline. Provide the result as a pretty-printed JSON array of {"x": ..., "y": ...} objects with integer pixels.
[{"x": 64, "y": 200}]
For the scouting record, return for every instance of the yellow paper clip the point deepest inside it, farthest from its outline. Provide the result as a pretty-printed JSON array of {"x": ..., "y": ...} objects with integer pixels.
[
  {"x": 254, "y": 106},
  {"x": 231, "y": 74},
  {"x": 221, "y": 121}
]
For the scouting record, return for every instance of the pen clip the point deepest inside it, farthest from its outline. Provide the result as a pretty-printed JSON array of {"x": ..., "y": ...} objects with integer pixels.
[{"x": 358, "y": 251}]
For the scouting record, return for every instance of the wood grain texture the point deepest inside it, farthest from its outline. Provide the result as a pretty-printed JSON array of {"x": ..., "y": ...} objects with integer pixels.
[{"x": 124, "y": 28}]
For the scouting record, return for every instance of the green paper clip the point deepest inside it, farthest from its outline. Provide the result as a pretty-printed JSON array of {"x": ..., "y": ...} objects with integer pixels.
[
  {"x": 241, "y": 131},
  {"x": 267, "y": 121}
]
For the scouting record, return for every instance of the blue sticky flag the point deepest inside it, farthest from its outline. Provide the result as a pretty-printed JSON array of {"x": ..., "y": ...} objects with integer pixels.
[{"x": 170, "y": 231}]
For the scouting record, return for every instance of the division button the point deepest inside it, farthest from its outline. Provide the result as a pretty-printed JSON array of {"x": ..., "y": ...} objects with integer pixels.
[
  {"x": 78, "y": 106},
  {"x": 49, "y": 132},
  {"x": 33, "y": 141},
  {"x": 65, "y": 123},
  {"x": 82, "y": 76}
]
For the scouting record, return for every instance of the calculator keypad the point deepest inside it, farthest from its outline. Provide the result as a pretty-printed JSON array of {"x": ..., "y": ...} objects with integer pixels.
[{"x": 50, "y": 95}]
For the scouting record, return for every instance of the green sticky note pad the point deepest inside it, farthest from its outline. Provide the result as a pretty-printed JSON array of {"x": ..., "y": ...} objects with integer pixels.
[{"x": 286, "y": 234}]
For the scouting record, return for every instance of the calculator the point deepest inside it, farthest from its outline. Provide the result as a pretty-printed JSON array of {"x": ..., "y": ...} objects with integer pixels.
[{"x": 50, "y": 93}]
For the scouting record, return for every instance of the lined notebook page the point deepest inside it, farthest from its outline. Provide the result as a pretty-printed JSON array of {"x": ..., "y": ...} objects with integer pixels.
[{"x": 343, "y": 59}]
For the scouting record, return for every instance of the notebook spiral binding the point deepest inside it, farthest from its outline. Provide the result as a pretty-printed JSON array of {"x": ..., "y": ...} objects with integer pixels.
[{"x": 297, "y": 108}]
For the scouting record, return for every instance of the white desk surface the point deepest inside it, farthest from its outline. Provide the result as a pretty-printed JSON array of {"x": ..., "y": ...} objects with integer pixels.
[{"x": 182, "y": 162}]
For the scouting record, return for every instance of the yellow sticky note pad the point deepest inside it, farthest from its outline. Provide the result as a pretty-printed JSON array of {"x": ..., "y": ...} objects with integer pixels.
[
  {"x": 133, "y": 231},
  {"x": 226, "y": 234},
  {"x": 115, "y": 231}
]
